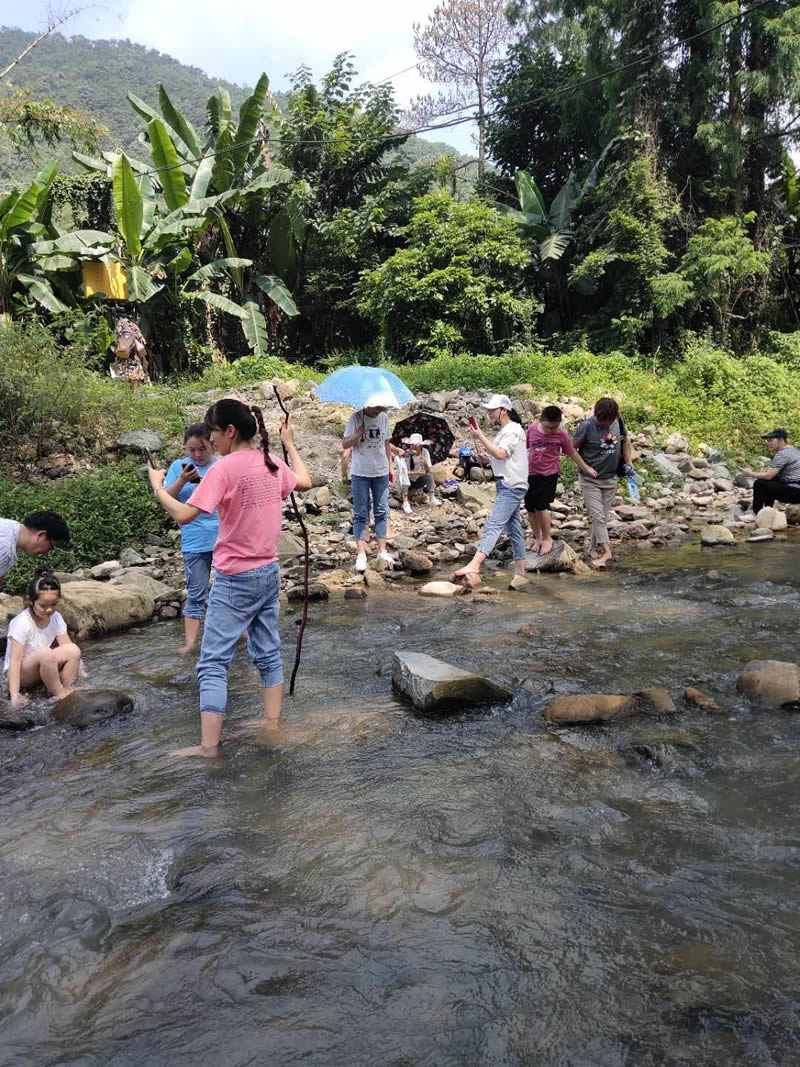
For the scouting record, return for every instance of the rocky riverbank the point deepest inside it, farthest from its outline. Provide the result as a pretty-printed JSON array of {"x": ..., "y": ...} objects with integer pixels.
[{"x": 684, "y": 494}]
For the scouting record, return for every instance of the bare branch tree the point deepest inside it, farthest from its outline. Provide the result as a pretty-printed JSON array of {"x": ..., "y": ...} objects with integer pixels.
[
  {"x": 54, "y": 20},
  {"x": 457, "y": 47}
]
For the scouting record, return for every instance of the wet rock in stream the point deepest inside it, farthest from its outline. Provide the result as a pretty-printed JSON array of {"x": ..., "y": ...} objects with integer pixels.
[
  {"x": 771, "y": 683},
  {"x": 432, "y": 684},
  {"x": 86, "y": 706}
]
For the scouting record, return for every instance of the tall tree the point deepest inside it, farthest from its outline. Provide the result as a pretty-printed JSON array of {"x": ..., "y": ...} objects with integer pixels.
[{"x": 457, "y": 47}]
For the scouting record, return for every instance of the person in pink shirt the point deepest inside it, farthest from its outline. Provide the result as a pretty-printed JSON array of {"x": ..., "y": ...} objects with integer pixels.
[
  {"x": 546, "y": 440},
  {"x": 246, "y": 487}
]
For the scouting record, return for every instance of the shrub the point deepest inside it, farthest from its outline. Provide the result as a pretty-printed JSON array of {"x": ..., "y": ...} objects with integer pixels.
[
  {"x": 104, "y": 511},
  {"x": 50, "y": 399}
]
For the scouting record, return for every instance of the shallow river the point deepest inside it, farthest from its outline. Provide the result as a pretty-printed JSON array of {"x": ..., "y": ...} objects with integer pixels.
[{"x": 385, "y": 889}]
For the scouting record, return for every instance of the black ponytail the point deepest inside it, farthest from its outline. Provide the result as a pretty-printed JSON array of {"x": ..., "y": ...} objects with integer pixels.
[
  {"x": 513, "y": 414},
  {"x": 247, "y": 421},
  {"x": 44, "y": 581},
  {"x": 268, "y": 460}
]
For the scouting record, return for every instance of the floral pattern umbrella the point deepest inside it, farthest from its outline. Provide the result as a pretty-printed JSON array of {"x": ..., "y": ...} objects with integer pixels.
[{"x": 433, "y": 429}]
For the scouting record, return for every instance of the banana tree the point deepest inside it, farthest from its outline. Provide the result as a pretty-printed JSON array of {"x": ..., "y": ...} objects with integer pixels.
[
  {"x": 25, "y": 219},
  {"x": 551, "y": 228},
  {"x": 226, "y": 178}
]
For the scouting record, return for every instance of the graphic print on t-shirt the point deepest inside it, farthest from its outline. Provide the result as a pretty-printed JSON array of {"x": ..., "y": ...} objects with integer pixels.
[{"x": 255, "y": 491}]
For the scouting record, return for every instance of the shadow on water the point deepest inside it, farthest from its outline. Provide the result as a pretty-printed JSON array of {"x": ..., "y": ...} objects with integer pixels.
[{"x": 375, "y": 887}]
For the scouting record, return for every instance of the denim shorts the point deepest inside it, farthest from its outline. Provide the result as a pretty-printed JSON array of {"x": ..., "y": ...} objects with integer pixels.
[
  {"x": 239, "y": 602},
  {"x": 197, "y": 568}
]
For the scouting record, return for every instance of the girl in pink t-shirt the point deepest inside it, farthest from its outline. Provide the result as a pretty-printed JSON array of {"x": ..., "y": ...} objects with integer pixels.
[
  {"x": 246, "y": 487},
  {"x": 546, "y": 440}
]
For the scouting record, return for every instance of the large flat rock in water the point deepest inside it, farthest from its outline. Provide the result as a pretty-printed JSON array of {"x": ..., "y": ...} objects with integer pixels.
[
  {"x": 771, "y": 682},
  {"x": 431, "y": 683},
  {"x": 99, "y": 607}
]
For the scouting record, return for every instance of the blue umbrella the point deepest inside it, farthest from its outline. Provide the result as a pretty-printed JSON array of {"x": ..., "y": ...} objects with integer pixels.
[{"x": 364, "y": 387}]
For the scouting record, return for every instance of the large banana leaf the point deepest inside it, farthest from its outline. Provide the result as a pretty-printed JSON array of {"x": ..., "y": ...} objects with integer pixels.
[
  {"x": 535, "y": 225},
  {"x": 217, "y": 266},
  {"x": 222, "y": 171},
  {"x": 42, "y": 293},
  {"x": 178, "y": 121},
  {"x": 530, "y": 196},
  {"x": 148, "y": 114},
  {"x": 91, "y": 163},
  {"x": 565, "y": 200},
  {"x": 202, "y": 176},
  {"x": 276, "y": 290},
  {"x": 128, "y": 204},
  {"x": 220, "y": 303},
  {"x": 165, "y": 157},
  {"x": 273, "y": 176},
  {"x": 554, "y": 246},
  {"x": 254, "y": 327},
  {"x": 26, "y": 206},
  {"x": 141, "y": 286},
  {"x": 249, "y": 114},
  {"x": 226, "y": 110}
]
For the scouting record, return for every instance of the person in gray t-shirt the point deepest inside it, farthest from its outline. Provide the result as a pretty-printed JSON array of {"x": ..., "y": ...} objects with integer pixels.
[
  {"x": 602, "y": 442},
  {"x": 781, "y": 479}
]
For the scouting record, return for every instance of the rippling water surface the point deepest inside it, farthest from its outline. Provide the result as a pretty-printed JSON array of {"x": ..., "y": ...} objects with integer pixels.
[{"x": 380, "y": 888}]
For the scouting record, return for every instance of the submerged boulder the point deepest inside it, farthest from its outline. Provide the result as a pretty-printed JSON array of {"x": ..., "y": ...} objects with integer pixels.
[
  {"x": 590, "y": 707},
  {"x": 86, "y": 706},
  {"x": 770, "y": 682},
  {"x": 433, "y": 684}
]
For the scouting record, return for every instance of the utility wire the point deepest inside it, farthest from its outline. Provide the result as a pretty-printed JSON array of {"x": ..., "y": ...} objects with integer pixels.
[{"x": 460, "y": 120}]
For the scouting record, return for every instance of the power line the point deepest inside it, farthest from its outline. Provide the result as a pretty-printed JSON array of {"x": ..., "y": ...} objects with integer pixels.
[{"x": 452, "y": 122}]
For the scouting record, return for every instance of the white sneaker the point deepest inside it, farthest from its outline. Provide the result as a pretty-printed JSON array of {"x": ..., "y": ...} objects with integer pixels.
[
  {"x": 406, "y": 507},
  {"x": 361, "y": 562},
  {"x": 386, "y": 558},
  {"x": 434, "y": 501}
]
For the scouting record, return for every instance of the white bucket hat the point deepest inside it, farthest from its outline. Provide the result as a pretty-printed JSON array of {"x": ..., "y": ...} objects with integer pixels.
[
  {"x": 415, "y": 439},
  {"x": 498, "y": 400}
]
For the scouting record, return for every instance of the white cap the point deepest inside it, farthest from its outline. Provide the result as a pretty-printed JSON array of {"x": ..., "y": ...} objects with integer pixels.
[{"x": 498, "y": 400}]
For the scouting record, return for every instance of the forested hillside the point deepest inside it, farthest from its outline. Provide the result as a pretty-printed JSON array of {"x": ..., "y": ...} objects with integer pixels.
[{"x": 96, "y": 77}]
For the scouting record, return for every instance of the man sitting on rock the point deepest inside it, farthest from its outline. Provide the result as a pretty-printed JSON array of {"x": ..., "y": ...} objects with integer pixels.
[{"x": 781, "y": 479}]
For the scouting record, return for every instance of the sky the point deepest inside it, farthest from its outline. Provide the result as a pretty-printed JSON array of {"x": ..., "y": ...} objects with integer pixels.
[{"x": 238, "y": 39}]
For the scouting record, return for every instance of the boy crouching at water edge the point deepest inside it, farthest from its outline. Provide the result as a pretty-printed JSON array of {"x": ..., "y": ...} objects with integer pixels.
[{"x": 546, "y": 440}]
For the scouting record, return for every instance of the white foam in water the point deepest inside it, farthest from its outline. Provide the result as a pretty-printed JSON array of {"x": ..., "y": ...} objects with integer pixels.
[{"x": 147, "y": 885}]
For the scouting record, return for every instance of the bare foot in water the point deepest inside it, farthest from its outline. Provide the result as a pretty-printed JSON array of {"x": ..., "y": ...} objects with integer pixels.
[
  {"x": 259, "y": 724},
  {"x": 184, "y": 650},
  {"x": 546, "y": 547},
  {"x": 197, "y": 750}
]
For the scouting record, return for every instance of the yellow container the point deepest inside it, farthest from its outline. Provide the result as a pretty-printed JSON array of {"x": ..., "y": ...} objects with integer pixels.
[{"x": 105, "y": 279}]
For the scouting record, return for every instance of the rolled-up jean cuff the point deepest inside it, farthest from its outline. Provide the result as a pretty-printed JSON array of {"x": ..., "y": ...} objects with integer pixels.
[
  {"x": 212, "y": 711},
  {"x": 271, "y": 678}
]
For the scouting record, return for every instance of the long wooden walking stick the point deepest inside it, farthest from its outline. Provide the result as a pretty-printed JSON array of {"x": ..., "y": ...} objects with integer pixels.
[{"x": 303, "y": 621}]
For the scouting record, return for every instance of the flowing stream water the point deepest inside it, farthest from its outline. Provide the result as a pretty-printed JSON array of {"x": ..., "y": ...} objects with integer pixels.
[{"x": 376, "y": 887}]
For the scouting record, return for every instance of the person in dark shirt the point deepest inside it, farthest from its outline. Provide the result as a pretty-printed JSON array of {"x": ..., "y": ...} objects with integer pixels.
[{"x": 781, "y": 479}]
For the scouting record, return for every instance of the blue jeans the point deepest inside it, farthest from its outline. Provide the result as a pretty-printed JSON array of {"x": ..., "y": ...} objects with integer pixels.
[
  {"x": 240, "y": 601},
  {"x": 505, "y": 515},
  {"x": 362, "y": 487},
  {"x": 197, "y": 568}
]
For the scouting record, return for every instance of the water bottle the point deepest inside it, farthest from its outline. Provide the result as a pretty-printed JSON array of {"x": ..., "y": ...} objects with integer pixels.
[{"x": 633, "y": 483}]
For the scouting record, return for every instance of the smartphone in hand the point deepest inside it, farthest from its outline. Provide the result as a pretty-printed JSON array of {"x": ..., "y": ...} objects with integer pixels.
[
  {"x": 191, "y": 473},
  {"x": 473, "y": 422}
]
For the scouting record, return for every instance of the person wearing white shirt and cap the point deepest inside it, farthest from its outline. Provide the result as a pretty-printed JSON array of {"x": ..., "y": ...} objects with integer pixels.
[{"x": 509, "y": 455}]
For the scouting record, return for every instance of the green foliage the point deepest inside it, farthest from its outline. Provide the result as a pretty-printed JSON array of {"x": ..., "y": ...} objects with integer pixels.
[
  {"x": 724, "y": 270},
  {"x": 105, "y": 511},
  {"x": 51, "y": 400},
  {"x": 462, "y": 281},
  {"x": 623, "y": 257},
  {"x": 710, "y": 395}
]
